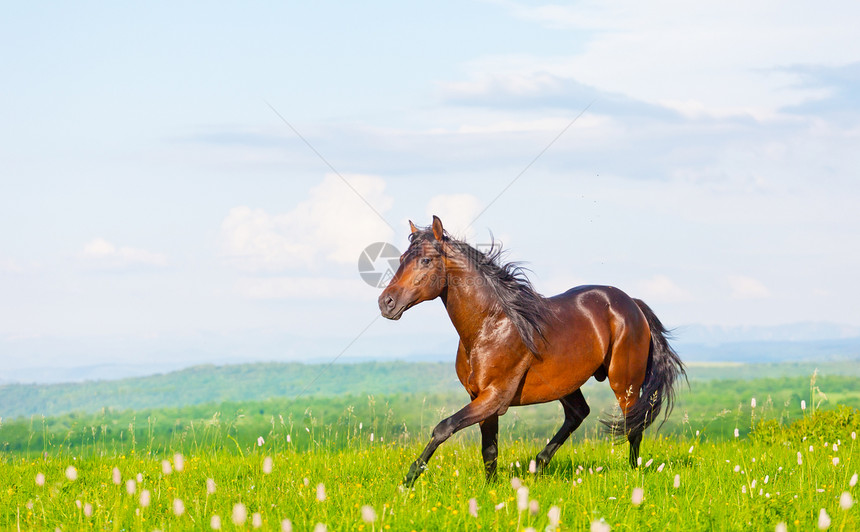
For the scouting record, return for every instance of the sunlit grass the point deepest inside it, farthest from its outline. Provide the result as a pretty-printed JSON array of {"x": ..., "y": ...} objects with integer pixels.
[{"x": 743, "y": 483}]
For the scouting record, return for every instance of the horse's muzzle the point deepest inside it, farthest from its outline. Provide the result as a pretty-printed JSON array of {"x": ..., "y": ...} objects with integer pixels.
[{"x": 389, "y": 307}]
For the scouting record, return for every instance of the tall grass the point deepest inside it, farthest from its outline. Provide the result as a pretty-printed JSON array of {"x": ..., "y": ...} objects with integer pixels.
[{"x": 781, "y": 472}]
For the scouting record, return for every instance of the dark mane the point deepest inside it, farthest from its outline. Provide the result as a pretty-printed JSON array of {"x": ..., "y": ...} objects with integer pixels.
[{"x": 516, "y": 296}]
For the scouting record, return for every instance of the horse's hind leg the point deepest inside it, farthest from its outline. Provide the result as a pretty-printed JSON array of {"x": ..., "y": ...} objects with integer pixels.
[
  {"x": 624, "y": 425},
  {"x": 627, "y": 368},
  {"x": 575, "y": 410},
  {"x": 635, "y": 438}
]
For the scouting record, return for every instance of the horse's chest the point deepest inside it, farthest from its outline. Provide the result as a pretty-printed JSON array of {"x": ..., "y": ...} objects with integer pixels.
[{"x": 466, "y": 373}]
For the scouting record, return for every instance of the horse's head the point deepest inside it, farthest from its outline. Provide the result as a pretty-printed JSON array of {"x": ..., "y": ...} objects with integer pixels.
[{"x": 421, "y": 275}]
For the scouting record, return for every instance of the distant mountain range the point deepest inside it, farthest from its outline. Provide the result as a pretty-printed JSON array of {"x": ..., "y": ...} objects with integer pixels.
[{"x": 792, "y": 332}]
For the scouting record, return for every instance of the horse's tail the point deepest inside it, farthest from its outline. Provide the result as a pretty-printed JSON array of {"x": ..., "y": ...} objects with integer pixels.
[{"x": 664, "y": 367}]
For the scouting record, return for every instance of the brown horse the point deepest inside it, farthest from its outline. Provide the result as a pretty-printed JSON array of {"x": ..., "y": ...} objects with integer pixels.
[{"x": 519, "y": 348}]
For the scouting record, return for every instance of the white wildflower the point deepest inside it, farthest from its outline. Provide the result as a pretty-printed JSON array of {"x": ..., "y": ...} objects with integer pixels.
[
  {"x": 116, "y": 476},
  {"x": 637, "y": 496},
  {"x": 522, "y": 498},
  {"x": 320, "y": 492},
  {"x": 752, "y": 403},
  {"x": 600, "y": 526},
  {"x": 178, "y": 507},
  {"x": 130, "y": 486},
  {"x": 145, "y": 498},
  {"x": 178, "y": 462},
  {"x": 853, "y": 481},
  {"x": 823, "y": 520},
  {"x": 240, "y": 514},
  {"x": 256, "y": 520},
  {"x": 210, "y": 486},
  {"x": 71, "y": 473},
  {"x": 260, "y": 441},
  {"x": 215, "y": 523},
  {"x": 532, "y": 467},
  {"x": 554, "y": 516},
  {"x": 368, "y": 515},
  {"x": 677, "y": 483},
  {"x": 516, "y": 483},
  {"x": 40, "y": 479},
  {"x": 267, "y": 465},
  {"x": 166, "y": 468},
  {"x": 473, "y": 507},
  {"x": 845, "y": 501},
  {"x": 286, "y": 525}
]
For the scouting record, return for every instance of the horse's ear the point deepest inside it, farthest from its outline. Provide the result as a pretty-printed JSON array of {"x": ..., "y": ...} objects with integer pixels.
[
  {"x": 438, "y": 232},
  {"x": 412, "y": 227}
]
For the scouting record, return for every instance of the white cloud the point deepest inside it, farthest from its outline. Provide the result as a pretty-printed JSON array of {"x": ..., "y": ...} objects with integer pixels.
[
  {"x": 304, "y": 288},
  {"x": 101, "y": 254},
  {"x": 457, "y": 212},
  {"x": 744, "y": 287},
  {"x": 334, "y": 224},
  {"x": 662, "y": 289},
  {"x": 713, "y": 57}
]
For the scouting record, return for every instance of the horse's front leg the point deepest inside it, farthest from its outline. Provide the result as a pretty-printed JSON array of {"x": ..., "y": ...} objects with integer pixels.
[
  {"x": 490, "y": 445},
  {"x": 486, "y": 404}
]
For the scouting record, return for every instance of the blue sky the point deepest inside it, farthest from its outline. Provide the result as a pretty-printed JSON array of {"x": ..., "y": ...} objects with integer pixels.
[{"x": 156, "y": 209}]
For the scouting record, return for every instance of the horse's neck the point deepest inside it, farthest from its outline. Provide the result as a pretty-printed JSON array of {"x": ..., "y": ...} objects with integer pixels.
[{"x": 470, "y": 303}]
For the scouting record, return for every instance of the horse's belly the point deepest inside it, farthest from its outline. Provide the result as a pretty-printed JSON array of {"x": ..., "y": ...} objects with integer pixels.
[{"x": 548, "y": 382}]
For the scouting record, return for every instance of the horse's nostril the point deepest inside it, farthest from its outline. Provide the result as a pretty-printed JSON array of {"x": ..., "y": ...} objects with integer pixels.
[{"x": 389, "y": 302}]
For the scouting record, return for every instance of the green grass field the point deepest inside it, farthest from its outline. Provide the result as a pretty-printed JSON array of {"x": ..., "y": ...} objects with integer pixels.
[{"x": 778, "y": 473}]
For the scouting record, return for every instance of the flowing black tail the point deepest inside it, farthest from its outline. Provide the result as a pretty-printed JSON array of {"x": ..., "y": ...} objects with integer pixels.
[{"x": 664, "y": 367}]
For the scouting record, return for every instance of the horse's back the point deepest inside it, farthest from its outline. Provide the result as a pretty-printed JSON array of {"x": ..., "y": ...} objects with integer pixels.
[{"x": 605, "y": 301}]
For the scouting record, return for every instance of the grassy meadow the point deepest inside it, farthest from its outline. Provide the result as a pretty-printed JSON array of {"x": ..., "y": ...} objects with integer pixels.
[{"x": 337, "y": 462}]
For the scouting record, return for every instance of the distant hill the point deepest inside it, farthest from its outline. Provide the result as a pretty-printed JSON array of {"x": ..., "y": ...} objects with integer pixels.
[
  {"x": 217, "y": 384},
  {"x": 256, "y": 382}
]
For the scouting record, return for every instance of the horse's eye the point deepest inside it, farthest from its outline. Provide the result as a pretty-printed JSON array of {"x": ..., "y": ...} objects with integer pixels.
[{"x": 425, "y": 261}]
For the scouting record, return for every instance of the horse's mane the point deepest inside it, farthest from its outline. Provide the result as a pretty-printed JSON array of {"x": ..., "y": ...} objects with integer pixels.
[{"x": 516, "y": 296}]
